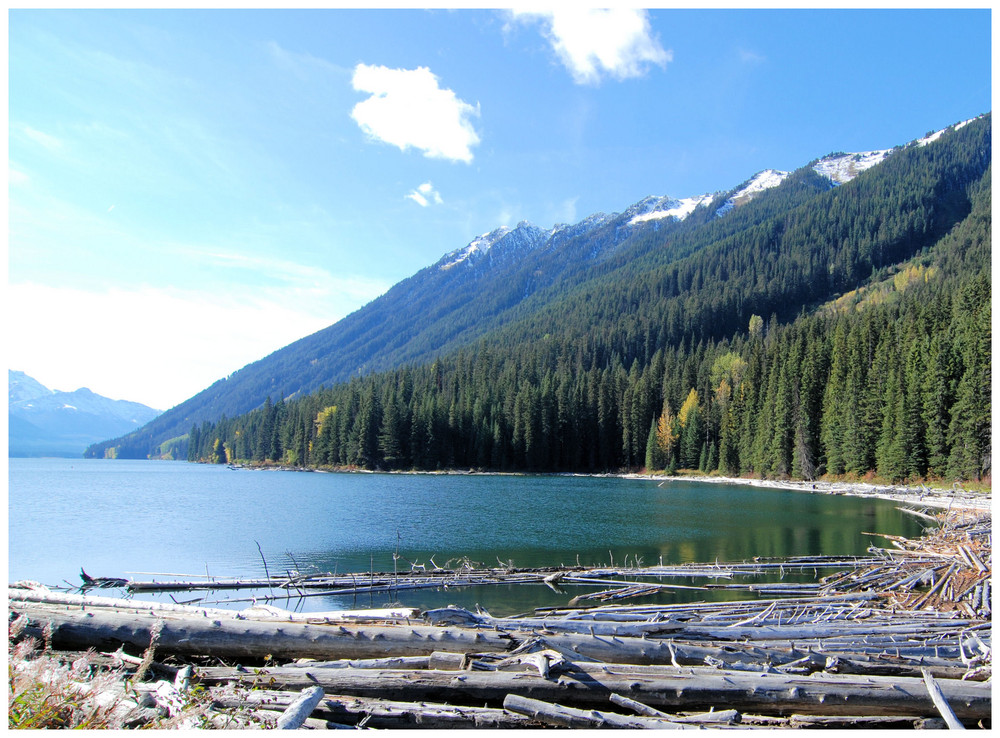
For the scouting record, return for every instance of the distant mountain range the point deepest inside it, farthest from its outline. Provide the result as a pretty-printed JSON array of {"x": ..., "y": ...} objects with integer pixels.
[
  {"x": 726, "y": 250},
  {"x": 45, "y": 422}
]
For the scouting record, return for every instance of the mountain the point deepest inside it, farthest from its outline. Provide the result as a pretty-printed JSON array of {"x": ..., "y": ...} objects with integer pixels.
[
  {"x": 43, "y": 422},
  {"x": 664, "y": 272}
]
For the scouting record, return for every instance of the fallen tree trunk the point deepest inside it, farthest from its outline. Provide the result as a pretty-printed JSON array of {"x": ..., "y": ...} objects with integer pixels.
[
  {"x": 379, "y": 713},
  {"x": 296, "y": 713},
  {"x": 253, "y": 640},
  {"x": 247, "y": 639},
  {"x": 686, "y": 688},
  {"x": 168, "y": 609},
  {"x": 568, "y": 717}
]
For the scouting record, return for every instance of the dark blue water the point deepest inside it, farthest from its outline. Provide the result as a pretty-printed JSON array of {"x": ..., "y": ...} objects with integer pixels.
[{"x": 131, "y": 518}]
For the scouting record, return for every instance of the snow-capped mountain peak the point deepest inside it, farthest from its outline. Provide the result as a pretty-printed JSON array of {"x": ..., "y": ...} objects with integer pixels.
[
  {"x": 842, "y": 168},
  {"x": 760, "y": 182},
  {"x": 838, "y": 168},
  {"x": 932, "y": 137},
  {"x": 479, "y": 245},
  {"x": 499, "y": 244},
  {"x": 658, "y": 208}
]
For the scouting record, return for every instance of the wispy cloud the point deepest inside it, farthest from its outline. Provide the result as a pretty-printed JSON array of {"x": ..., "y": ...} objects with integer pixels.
[
  {"x": 592, "y": 43},
  {"x": 300, "y": 64},
  {"x": 408, "y": 108},
  {"x": 16, "y": 177},
  {"x": 424, "y": 195},
  {"x": 46, "y": 140},
  {"x": 748, "y": 56}
]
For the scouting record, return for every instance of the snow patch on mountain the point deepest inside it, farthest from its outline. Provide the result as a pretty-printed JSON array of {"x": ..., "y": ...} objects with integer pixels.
[
  {"x": 839, "y": 168},
  {"x": 563, "y": 231},
  {"x": 760, "y": 182},
  {"x": 501, "y": 244},
  {"x": 477, "y": 246},
  {"x": 658, "y": 208},
  {"x": 842, "y": 168},
  {"x": 931, "y": 137}
]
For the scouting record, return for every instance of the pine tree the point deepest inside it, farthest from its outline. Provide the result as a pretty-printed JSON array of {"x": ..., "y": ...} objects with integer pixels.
[{"x": 655, "y": 458}]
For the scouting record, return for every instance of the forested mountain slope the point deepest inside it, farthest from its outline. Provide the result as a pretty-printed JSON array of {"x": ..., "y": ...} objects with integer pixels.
[{"x": 619, "y": 289}]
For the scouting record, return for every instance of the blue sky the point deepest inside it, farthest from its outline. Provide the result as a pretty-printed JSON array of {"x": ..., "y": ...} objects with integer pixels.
[{"x": 192, "y": 190}]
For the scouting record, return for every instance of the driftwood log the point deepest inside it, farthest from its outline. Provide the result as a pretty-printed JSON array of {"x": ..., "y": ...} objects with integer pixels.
[
  {"x": 73, "y": 628},
  {"x": 590, "y": 686},
  {"x": 379, "y": 712},
  {"x": 569, "y": 717},
  {"x": 891, "y": 645}
]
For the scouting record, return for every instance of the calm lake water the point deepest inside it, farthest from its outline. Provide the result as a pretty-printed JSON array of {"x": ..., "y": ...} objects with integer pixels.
[{"x": 131, "y": 518}]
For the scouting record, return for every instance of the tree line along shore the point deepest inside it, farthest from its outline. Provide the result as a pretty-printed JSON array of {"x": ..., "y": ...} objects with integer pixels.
[{"x": 900, "y": 390}]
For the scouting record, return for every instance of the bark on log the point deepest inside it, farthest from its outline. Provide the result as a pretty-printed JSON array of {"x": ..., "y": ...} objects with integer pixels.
[{"x": 682, "y": 688}]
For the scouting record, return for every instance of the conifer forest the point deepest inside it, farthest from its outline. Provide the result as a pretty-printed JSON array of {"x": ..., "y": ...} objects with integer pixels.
[{"x": 817, "y": 330}]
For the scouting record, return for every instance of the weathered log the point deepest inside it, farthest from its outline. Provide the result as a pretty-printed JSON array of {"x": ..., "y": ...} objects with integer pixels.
[
  {"x": 394, "y": 662},
  {"x": 715, "y": 717},
  {"x": 379, "y": 713},
  {"x": 569, "y": 717},
  {"x": 297, "y": 712},
  {"x": 460, "y": 616},
  {"x": 685, "y": 688},
  {"x": 637, "y": 707},
  {"x": 919, "y": 514},
  {"x": 241, "y": 639},
  {"x": 447, "y": 661},
  {"x": 864, "y": 721},
  {"x": 941, "y": 702},
  {"x": 169, "y": 609}
]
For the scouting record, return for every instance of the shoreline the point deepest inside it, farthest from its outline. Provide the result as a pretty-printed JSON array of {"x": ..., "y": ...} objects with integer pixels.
[
  {"x": 955, "y": 498},
  {"x": 920, "y": 496}
]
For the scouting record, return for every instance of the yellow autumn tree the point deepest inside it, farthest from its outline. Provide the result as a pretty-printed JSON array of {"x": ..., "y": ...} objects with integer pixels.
[
  {"x": 690, "y": 403},
  {"x": 666, "y": 433}
]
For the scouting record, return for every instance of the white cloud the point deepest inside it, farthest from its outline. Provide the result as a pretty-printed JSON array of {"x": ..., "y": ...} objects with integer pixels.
[
  {"x": 408, "y": 108},
  {"x": 424, "y": 195},
  {"x": 592, "y": 42}
]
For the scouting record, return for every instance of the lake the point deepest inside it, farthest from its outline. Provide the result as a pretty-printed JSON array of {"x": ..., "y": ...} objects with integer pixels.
[{"x": 132, "y": 518}]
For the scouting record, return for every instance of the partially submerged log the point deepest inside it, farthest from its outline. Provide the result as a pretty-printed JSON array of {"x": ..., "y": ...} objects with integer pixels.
[{"x": 169, "y": 609}]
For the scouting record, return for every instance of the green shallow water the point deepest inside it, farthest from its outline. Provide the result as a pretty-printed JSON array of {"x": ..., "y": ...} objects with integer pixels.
[{"x": 118, "y": 518}]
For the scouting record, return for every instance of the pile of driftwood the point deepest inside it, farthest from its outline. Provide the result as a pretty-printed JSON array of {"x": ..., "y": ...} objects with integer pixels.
[{"x": 898, "y": 639}]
